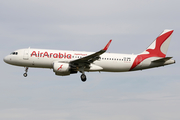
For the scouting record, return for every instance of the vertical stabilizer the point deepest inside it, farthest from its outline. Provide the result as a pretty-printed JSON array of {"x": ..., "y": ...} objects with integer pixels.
[
  {"x": 157, "y": 49},
  {"x": 160, "y": 46}
]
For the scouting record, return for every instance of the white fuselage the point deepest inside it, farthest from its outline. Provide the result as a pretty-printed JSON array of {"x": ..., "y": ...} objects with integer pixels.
[{"x": 43, "y": 58}]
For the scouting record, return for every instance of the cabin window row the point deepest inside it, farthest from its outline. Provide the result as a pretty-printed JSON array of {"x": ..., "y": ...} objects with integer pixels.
[{"x": 117, "y": 59}]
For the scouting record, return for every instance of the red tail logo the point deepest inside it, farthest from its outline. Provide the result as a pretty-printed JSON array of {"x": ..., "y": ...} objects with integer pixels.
[{"x": 156, "y": 52}]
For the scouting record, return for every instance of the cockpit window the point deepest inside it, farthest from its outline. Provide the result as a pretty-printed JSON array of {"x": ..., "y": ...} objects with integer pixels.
[{"x": 14, "y": 53}]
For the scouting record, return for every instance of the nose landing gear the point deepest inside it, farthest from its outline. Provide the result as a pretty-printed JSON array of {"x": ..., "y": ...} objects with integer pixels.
[{"x": 26, "y": 70}]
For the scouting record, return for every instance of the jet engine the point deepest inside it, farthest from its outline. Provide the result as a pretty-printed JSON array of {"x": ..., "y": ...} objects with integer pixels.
[{"x": 62, "y": 69}]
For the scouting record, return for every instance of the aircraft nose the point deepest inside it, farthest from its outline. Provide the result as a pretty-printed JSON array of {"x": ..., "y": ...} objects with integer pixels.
[{"x": 6, "y": 59}]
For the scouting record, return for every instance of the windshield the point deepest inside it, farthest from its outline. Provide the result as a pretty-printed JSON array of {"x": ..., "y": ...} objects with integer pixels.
[{"x": 14, "y": 53}]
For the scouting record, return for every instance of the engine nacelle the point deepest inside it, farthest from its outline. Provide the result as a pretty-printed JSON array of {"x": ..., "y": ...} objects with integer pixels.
[{"x": 61, "y": 68}]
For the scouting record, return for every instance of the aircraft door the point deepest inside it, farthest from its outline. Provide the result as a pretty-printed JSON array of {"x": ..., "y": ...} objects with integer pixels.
[{"x": 26, "y": 54}]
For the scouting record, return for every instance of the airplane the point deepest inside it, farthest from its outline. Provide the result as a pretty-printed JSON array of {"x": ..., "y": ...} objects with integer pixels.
[{"x": 65, "y": 62}]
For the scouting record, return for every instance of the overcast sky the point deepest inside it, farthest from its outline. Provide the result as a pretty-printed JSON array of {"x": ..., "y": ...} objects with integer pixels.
[{"x": 152, "y": 94}]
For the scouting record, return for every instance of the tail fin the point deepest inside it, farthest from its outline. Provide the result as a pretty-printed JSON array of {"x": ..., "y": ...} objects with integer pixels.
[
  {"x": 157, "y": 49},
  {"x": 160, "y": 46}
]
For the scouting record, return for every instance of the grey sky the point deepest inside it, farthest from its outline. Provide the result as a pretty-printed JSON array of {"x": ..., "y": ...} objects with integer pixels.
[{"x": 88, "y": 25}]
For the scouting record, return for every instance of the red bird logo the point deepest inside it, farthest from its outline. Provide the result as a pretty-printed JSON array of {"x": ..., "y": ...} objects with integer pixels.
[{"x": 60, "y": 67}]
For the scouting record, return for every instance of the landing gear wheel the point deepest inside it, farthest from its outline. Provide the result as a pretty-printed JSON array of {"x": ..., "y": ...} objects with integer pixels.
[
  {"x": 83, "y": 77},
  {"x": 25, "y": 74},
  {"x": 26, "y": 70}
]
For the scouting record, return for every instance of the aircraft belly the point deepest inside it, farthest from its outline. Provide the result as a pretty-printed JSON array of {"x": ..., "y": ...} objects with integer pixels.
[
  {"x": 45, "y": 63},
  {"x": 114, "y": 66}
]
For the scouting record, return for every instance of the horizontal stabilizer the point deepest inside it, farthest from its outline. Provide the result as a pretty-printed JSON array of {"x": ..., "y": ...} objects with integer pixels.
[{"x": 162, "y": 59}]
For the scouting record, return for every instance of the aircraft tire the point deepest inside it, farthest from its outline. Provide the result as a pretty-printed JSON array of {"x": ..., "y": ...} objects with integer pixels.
[
  {"x": 83, "y": 77},
  {"x": 25, "y": 74}
]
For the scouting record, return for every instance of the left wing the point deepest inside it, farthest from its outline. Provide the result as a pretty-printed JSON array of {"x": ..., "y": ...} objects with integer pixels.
[{"x": 87, "y": 60}]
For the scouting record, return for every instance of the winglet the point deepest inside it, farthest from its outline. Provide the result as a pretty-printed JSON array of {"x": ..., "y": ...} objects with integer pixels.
[{"x": 106, "y": 47}]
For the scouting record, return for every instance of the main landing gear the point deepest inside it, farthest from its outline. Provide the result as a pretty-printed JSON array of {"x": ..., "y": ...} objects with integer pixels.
[
  {"x": 26, "y": 70},
  {"x": 83, "y": 77}
]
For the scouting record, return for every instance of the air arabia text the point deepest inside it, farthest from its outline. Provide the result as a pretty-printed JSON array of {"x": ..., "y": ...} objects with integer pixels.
[{"x": 49, "y": 55}]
